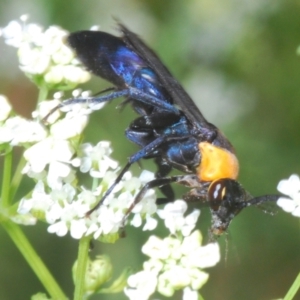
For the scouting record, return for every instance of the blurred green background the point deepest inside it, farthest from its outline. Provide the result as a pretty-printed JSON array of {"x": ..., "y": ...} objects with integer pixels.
[{"x": 238, "y": 61}]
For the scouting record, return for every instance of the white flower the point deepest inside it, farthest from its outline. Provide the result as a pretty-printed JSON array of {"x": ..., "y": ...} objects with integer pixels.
[
  {"x": 75, "y": 74},
  {"x": 177, "y": 277},
  {"x": 173, "y": 214},
  {"x": 150, "y": 224},
  {"x": 60, "y": 228},
  {"x": 189, "y": 294},
  {"x": 53, "y": 42},
  {"x": 147, "y": 204},
  {"x": 39, "y": 202},
  {"x": 54, "y": 74},
  {"x": 156, "y": 248},
  {"x": 12, "y": 33},
  {"x": 96, "y": 160},
  {"x": 69, "y": 127},
  {"x": 18, "y": 131},
  {"x": 47, "y": 151},
  {"x": 57, "y": 153},
  {"x": 291, "y": 188},
  {"x": 5, "y": 108},
  {"x": 32, "y": 60},
  {"x": 199, "y": 256},
  {"x": 146, "y": 176},
  {"x": 141, "y": 285},
  {"x": 67, "y": 215}
]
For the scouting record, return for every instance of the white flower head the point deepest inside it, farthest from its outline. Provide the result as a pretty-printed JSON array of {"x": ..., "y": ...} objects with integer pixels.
[
  {"x": 44, "y": 53},
  {"x": 291, "y": 188},
  {"x": 53, "y": 161},
  {"x": 174, "y": 264},
  {"x": 173, "y": 215}
]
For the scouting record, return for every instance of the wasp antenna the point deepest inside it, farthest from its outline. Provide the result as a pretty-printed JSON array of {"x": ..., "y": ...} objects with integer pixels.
[{"x": 262, "y": 199}]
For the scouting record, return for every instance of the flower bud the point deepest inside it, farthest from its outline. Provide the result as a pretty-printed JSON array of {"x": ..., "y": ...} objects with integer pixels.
[{"x": 98, "y": 273}]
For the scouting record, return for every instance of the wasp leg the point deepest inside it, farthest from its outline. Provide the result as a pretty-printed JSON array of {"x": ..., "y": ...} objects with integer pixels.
[
  {"x": 129, "y": 92},
  {"x": 186, "y": 180},
  {"x": 159, "y": 182},
  {"x": 163, "y": 170},
  {"x": 134, "y": 158},
  {"x": 117, "y": 180},
  {"x": 198, "y": 193}
]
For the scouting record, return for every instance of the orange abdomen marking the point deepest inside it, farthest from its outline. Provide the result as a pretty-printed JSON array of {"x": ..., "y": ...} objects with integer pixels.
[{"x": 216, "y": 163}]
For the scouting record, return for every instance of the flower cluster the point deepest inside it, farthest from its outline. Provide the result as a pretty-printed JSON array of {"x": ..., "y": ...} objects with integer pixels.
[
  {"x": 291, "y": 188},
  {"x": 174, "y": 264},
  {"x": 63, "y": 204},
  {"x": 65, "y": 208},
  {"x": 43, "y": 55}
]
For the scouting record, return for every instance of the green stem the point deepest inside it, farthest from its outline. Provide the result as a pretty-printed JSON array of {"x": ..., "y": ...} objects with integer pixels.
[
  {"x": 200, "y": 297},
  {"x": 43, "y": 93},
  {"x": 95, "y": 184},
  {"x": 5, "y": 194},
  {"x": 32, "y": 258},
  {"x": 15, "y": 182},
  {"x": 293, "y": 289},
  {"x": 82, "y": 264}
]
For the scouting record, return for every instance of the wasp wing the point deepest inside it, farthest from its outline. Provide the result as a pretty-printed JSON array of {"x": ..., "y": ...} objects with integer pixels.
[{"x": 174, "y": 88}]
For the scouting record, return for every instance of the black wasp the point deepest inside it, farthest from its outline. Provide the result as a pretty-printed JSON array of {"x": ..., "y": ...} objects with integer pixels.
[{"x": 170, "y": 128}]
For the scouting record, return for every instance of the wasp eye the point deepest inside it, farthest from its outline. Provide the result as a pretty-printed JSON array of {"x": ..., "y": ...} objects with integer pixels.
[{"x": 217, "y": 193}]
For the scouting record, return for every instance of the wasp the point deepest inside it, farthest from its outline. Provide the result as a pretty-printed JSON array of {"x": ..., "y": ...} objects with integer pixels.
[{"x": 169, "y": 128}]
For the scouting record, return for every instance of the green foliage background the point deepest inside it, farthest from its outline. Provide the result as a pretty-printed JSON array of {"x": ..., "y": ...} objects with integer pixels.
[{"x": 238, "y": 60}]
